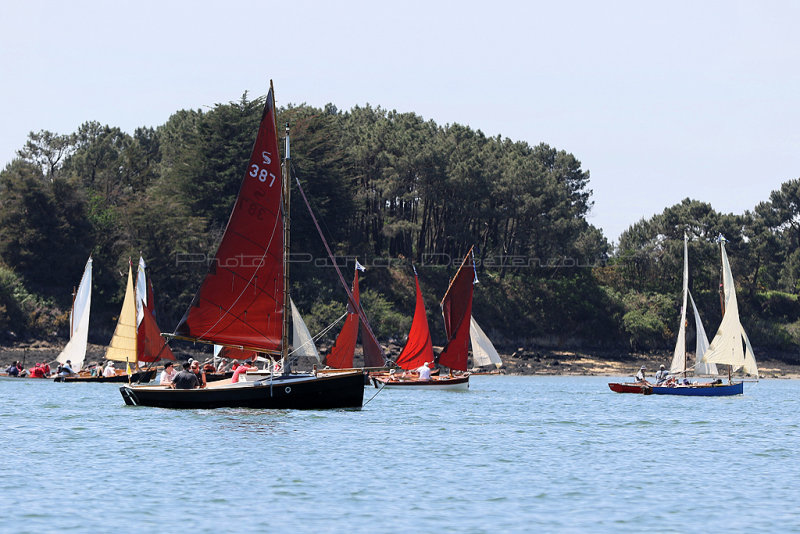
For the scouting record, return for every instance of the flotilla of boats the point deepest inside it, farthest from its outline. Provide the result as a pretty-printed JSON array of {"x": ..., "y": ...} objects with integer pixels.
[{"x": 244, "y": 309}]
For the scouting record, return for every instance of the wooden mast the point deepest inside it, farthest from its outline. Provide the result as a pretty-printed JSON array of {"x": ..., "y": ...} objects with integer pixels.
[{"x": 286, "y": 249}]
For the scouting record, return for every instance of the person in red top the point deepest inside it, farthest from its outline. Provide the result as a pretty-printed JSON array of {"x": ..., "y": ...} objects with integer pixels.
[
  {"x": 241, "y": 370},
  {"x": 37, "y": 371}
]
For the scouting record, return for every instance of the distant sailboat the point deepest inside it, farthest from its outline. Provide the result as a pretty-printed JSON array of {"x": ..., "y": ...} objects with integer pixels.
[
  {"x": 136, "y": 338},
  {"x": 679, "y": 365},
  {"x": 75, "y": 350}
]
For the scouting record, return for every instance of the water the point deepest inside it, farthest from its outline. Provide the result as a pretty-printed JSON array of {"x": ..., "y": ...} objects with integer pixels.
[{"x": 512, "y": 454}]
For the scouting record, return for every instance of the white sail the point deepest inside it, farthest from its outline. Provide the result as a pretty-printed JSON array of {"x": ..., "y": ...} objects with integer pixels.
[
  {"x": 483, "y": 352},
  {"x": 728, "y": 345},
  {"x": 678, "y": 364},
  {"x": 75, "y": 351},
  {"x": 141, "y": 292},
  {"x": 302, "y": 342},
  {"x": 701, "y": 368}
]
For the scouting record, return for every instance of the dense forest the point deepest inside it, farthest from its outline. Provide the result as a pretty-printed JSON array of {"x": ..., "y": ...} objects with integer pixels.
[{"x": 392, "y": 190}]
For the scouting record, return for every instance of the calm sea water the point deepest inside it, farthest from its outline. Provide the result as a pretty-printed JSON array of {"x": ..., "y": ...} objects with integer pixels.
[{"x": 513, "y": 454}]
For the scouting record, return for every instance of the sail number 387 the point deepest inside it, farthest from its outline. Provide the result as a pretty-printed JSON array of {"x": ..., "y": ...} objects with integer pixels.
[{"x": 262, "y": 173}]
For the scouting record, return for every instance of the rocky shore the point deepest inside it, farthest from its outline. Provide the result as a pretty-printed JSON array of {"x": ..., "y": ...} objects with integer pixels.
[{"x": 523, "y": 361}]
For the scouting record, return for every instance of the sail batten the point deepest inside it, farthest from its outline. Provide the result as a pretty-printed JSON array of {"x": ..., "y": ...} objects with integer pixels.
[{"x": 241, "y": 300}]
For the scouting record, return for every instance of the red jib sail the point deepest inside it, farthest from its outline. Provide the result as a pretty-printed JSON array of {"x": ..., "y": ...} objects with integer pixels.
[
  {"x": 418, "y": 349},
  {"x": 457, "y": 310},
  {"x": 241, "y": 299},
  {"x": 341, "y": 355},
  {"x": 150, "y": 344}
]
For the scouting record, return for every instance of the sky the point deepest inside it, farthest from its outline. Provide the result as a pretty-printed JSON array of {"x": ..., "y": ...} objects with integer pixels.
[{"x": 660, "y": 101}]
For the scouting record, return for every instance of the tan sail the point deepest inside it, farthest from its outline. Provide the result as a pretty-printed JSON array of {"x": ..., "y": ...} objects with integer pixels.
[{"x": 123, "y": 344}]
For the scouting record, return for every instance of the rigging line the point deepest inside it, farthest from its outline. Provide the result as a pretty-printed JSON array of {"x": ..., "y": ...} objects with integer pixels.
[
  {"x": 376, "y": 394},
  {"x": 352, "y": 300},
  {"x": 249, "y": 282},
  {"x": 322, "y": 333}
]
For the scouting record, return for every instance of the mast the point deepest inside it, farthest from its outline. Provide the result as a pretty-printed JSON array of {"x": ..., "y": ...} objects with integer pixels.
[
  {"x": 286, "y": 251},
  {"x": 72, "y": 315}
]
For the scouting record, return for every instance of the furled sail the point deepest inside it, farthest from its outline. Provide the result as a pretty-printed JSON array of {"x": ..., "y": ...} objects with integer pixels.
[
  {"x": 151, "y": 346},
  {"x": 302, "y": 342},
  {"x": 341, "y": 355},
  {"x": 483, "y": 351},
  {"x": 241, "y": 300},
  {"x": 75, "y": 350},
  {"x": 457, "y": 311},
  {"x": 418, "y": 349},
  {"x": 123, "y": 343},
  {"x": 727, "y": 345}
]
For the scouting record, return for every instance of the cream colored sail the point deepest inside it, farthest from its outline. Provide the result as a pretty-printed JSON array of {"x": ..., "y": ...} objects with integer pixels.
[
  {"x": 75, "y": 350},
  {"x": 701, "y": 346},
  {"x": 483, "y": 351},
  {"x": 678, "y": 365},
  {"x": 141, "y": 291},
  {"x": 302, "y": 342},
  {"x": 731, "y": 345},
  {"x": 123, "y": 344}
]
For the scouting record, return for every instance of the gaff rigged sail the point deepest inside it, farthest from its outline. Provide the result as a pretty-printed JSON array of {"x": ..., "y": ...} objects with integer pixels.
[
  {"x": 457, "y": 311},
  {"x": 241, "y": 300},
  {"x": 418, "y": 349}
]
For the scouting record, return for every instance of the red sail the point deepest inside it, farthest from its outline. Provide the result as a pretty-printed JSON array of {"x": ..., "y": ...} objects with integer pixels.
[
  {"x": 241, "y": 299},
  {"x": 457, "y": 310},
  {"x": 418, "y": 349},
  {"x": 151, "y": 346},
  {"x": 341, "y": 355},
  {"x": 236, "y": 354}
]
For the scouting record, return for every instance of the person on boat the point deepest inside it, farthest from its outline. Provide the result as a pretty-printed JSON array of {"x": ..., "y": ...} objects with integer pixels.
[
  {"x": 109, "y": 370},
  {"x": 97, "y": 369},
  {"x": 168, "y": 374},
  {"x": 65, "y": 370},
  {"x": 37, "y": 371},
  {"x": 661, "y": 375},
  {"x": 208, "y": 367},
  {"x": 640, "y": 378},
  {"x": 424, "y": 371},
  {"x": 185, "y": 379},
  {"x": 241, "y": 369},
  {"x": 199, "y": 373},
  {"x": 13, "y": 370}
]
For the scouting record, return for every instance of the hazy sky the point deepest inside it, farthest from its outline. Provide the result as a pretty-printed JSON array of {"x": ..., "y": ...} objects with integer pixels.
[{"x": 659, "y": 100}]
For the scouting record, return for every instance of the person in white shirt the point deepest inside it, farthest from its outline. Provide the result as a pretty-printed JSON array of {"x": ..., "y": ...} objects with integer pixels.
[
  {"x": 424, "y": 372},
  {"x": 109, "y": 370},
  {"x": 167, "y": 374},
  {"x": 640, "y": 375}
]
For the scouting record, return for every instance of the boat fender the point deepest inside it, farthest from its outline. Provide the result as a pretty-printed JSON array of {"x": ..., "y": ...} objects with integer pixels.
[
  {"x": 647, "y": 390},
  {"x": 287, "y": 389}
]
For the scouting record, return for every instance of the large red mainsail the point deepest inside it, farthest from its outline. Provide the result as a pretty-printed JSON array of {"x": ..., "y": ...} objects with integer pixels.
[
  {"x": 418, "y": 349},
  {"x": 241, "y": 300},
  {"x": 457, "y": 310},
  {"x": 341, "y": 355}
]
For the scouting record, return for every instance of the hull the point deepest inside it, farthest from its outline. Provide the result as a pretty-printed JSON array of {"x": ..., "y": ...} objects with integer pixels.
[
  {"x": 216, "y": 377},
  {"x": 302, "y": 392},
  {"x": 138, "y": 377},
  {"x": 702, "y": 390},
  {"x": 444, "y": 383},
  {"x": 630, "y": 388}
]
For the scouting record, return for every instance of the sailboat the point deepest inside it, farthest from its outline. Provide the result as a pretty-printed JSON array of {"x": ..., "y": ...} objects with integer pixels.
[
  {"x": 136, "y": 338},
  {"x": 457, "y": 312},
  {"x": 244, "y": 300},
  {"x": 75, "y": 350},
  {"x": 730, "y": 346}
]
